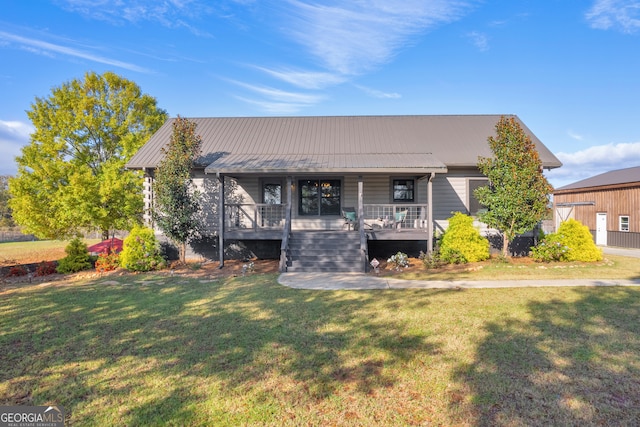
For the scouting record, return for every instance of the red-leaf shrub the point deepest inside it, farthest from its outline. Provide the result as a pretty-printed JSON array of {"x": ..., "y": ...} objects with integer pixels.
[{"x": 46, "y": 268}]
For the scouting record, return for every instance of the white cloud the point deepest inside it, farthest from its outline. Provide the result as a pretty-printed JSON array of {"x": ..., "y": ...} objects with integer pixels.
[
  {"x": 281, "y": 95},
  {"x": 574, "y": 135},
  {"x": 353, "y": 37},
  {"x": 480, "y": 40},
  {"x": 171, "y": 13},
  {"x": 622, "y": 15},
  {"x": 378, "y": 93},
  {"x": 46, "y": 48},
  {"x": 274, "y": 107},
  {"x": 594, "y": 161},
  {"x": 13, "y": 136},
  {"x": 305, "y": 79}
]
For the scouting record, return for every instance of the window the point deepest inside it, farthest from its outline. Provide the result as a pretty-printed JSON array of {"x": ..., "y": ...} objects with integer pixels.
[
  {"x": 272, "y": 193},
  {"x": 403, "y": 190},
  {"x": 624, "y": 223},
  {"x": 474, "y": 205},
  {"x": 319, "y": 197}
]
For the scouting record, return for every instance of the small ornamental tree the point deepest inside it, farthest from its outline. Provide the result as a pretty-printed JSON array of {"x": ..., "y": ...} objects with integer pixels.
[
  {"x": 176, "y": 209},
  {"x": 517, "y": 196},
  {"x": 462, "y": 242}
]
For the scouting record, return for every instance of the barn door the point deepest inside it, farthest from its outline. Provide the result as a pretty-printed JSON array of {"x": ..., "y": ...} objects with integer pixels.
[{"x": 601, "y": 229}]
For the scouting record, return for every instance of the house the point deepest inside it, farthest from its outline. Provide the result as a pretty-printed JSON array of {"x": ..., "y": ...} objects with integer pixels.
[
  {"x": 609, "y": 204},
  {"x": 327, "y": 193}
]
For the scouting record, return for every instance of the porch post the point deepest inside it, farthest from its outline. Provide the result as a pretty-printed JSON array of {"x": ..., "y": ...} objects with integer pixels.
[
  {"x": 221, "y": 215},
  {"x": 430, "y": 213},
  {"x": 363, "y": 237}
]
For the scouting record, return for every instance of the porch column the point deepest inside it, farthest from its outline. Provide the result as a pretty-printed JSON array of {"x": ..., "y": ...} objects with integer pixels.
[
  {"x": 221, "y": 221},
  {"x": 363, "y": 237},
  {"x": 430, "y": 213}
]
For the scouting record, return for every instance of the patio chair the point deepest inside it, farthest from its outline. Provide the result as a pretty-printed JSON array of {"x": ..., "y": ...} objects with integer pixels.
[
  {"x": 350, "y": 217},
  {"x": 399, "y": 218}
]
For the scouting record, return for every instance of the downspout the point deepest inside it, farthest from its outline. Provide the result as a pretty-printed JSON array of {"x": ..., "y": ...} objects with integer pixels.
[{"x": 221, "y": 219}]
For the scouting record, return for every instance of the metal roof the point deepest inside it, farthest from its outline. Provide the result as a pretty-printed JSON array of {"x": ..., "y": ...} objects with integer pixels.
[
  {"x": 616, "y": 177},
  {"x": 342, "y": 143}
]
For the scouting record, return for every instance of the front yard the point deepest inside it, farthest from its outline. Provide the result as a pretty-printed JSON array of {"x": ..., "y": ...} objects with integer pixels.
[{"x": 162, "y": 349}]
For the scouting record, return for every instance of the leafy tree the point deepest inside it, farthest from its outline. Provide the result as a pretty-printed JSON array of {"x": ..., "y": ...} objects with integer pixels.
[
  {"x": 517, "y": 196},
  {"x": 71, "y": 175},
  {"x": 6, "y": 220},
  {"x": 176, "y": 201}
]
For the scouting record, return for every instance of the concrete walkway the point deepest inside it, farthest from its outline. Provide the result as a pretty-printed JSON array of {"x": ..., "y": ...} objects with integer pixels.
[{"x": 362, "y": 281}]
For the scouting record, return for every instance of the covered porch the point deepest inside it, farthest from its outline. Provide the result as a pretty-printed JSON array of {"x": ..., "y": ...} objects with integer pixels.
[{"x": 383, "y": 198}]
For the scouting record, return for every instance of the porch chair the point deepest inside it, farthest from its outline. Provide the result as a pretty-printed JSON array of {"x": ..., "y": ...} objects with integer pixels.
[
  {"x": 350, "y": 217},
  {"x": 399, "y": 218}
]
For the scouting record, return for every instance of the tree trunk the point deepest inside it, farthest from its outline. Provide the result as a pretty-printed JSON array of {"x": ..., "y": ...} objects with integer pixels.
[
  {"x": 183, "y": 252},
  {"x": 105, "y": 235},
  {"x": 505, "y": 245}
]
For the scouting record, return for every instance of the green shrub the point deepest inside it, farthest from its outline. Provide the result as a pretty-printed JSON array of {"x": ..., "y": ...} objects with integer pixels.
[
  {"x": 551, "y": 248},
  {"x": 579, "y": 240},
  {"x": 77, "y": 258},
  {"x": 462, "y": 242},
  {"x": 572, "y": 242},
  {"x": 140, "y": 251}
]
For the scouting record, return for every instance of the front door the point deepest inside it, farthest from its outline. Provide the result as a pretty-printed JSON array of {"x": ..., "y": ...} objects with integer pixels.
[{"x": 601, "y": 229}]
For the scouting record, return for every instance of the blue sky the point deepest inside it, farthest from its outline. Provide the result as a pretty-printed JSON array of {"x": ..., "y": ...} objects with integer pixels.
[{"x": 569, "y": 69}]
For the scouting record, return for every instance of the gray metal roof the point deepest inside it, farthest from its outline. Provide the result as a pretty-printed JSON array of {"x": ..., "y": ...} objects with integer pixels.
[
  {"x": 616, "y": 177},
  {"x": 342, "y": 143}
]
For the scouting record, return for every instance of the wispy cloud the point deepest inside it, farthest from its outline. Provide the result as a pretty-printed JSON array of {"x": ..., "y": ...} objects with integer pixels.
[
  {"x": 593, "y": 161},
  {"x": 281, "y": 95},
  {"x": 305, "y": 79},
  {"x": 574, "y": 135},
  {"x": 480, "y": 40},
  {"x": 273, "y": 107},
  {"x": 13, "y": 136},
  {"x": 622, "y": 15},
  {"x": 42, "y": 47},
  {"x": 171, "y": 13},
  {"x": 375, "y": 93},
  {"x": 351, "y": 38},
  {"x": 276, "y": 101}
]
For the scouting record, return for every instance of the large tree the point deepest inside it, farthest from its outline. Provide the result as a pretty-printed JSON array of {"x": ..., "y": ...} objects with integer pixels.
[
  {"x": 71, "y": 175},
  {"x": 517, "y": 196},
  {"x": 176, "y": 200},
  {"x": 6, "y": 220}
]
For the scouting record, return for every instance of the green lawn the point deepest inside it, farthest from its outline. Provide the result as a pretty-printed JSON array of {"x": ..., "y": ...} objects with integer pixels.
[{"x": 161, "y": 350}]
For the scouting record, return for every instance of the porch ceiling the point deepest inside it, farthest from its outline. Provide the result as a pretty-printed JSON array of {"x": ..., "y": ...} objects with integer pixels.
[{"x": 395, "y": 163}]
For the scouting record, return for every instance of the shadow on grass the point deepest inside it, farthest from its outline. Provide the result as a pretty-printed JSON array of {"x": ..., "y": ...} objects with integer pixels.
[
  {"x": 572, "y": 363},
  {"x": 157, "y": 346}
]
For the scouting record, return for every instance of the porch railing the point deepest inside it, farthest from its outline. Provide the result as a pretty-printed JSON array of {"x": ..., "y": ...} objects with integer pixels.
[
  {"x": 262, "y": 216},
  {"x": 255, "y": 216},
  {"x": 396, "y": 216}
]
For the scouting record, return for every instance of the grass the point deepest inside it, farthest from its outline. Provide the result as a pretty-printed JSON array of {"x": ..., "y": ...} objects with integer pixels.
[
  {"x": 167, "y": 350},
  {"x": 36, "y": 251},
  {"x": 612, "y": 267}
]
